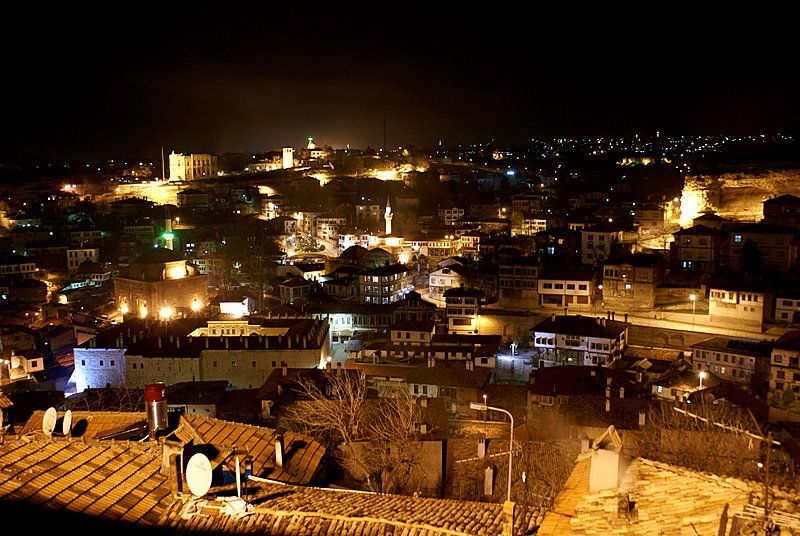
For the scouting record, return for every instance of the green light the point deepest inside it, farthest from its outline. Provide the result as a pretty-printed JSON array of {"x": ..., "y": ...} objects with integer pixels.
[{"x": 168, "y": 236}]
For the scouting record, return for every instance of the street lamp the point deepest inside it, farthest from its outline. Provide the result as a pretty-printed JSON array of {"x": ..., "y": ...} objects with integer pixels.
[
  {"x": 484, "y": 407},
  {"x": 484, "y": 411},
  {"x": 693, "y": 298},
  {"x": 702, "y": 375}
]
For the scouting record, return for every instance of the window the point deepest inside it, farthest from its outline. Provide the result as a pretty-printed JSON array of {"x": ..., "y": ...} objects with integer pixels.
[
  {"x": 101, "y": 362},
  {"x": 214, "y": 364},
  {"x": 253, "y": 364},
  {"x": 112, "y": 362},
  {"x": 737, "y": 239}
]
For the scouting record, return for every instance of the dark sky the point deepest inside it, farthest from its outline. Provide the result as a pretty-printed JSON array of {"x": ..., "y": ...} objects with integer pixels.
[{"x": 128, "y": 80}]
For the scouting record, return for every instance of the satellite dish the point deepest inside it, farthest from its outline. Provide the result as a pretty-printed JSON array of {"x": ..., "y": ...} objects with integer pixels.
[
  {"x": 49, "y": 421},
  {"x": 66, "y": 426},
  {"x": 198, "y": 474}
]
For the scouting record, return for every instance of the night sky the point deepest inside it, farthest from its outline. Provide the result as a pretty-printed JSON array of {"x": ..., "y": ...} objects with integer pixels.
[{"x": 128, "y": 80}]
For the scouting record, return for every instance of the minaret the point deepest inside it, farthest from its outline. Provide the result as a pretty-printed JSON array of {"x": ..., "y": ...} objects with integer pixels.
[{"x": 388, "y": 217}]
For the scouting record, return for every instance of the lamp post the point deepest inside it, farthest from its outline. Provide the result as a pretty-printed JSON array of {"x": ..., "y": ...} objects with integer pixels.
[
  {"x": 485, "y": 412},
  {"x": 702, "y": 375},
  {"x": 484, "y": 407},
  {"x": 693, "y": 298}
]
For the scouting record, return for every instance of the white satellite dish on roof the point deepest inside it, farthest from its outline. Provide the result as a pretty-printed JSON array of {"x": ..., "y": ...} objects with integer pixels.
[
  {"x": 198, "y": 474},
  {"x": 66, "y": 425},
  {"x": 49, "y": 421}
]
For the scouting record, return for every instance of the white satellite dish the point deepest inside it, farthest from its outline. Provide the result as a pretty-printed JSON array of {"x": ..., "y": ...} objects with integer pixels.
[
  {"x": 66, "y": 426},
  {"x": 49, "y": 421},
  {"x": 198, "y": 474}
]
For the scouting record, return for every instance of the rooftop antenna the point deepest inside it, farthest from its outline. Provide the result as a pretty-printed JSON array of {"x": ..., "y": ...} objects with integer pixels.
[
  {"x": 198, "y": 474},
  {"x": 49, "y": 421}
]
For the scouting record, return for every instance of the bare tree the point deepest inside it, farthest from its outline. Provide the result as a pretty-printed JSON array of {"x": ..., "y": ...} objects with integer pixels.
[
  {"x": 373, "y": 438},
  {"x": 714, "y": 438},
  {"x": 107, "y": 399}
]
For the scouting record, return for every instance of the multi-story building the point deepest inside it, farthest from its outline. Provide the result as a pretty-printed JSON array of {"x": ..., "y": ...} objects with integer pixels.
[
  {"x": 782, "y": 210},
  {"x": 463, "y": 309},
  {"x": 443, "y": 279},
  {"x": 76, "y": 256},
  {"x": 144, "y": 234},
  {"x": 697, "y": 249},
  {"x": 243, "y": 351},
  {"x": 631, "y": 281},
  {"x": 450, "y": 214},
  {"x": 189, "y": 167},
  {"x": 740, "y": 301},
  {"x": 328, "y": 227},
  {"x": 787, "y": 306},
  {"x": 648, "y": 220},
  {"x": 743, "y": 361},
  {"x": 17, "y": 265},
  {"x": 578, "y": 340},
  {"x": 85, "y": 237},
  {"x": 777, "y": 246},
  {"x": 384, "y": 285},
  {"x": 193, "y": 199},
  {"x": 566, "y": 287},
  {"x": 784, "y": 376},
  {"x": 517, "y": 279},
  {"x": 599, "y": 242}
]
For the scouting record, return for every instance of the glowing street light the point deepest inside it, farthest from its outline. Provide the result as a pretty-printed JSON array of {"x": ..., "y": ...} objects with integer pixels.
[
  {"x": 484, "y": 407},
  {"x": 702, "y": 375},
  {"x": 693, "y": 298}
]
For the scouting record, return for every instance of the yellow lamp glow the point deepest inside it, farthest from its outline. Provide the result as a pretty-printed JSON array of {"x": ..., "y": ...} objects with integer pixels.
[
  {"x": 143, "y": 311},
  {"x": 124, "y": 308},
  {"x": 165, "y": 313}
]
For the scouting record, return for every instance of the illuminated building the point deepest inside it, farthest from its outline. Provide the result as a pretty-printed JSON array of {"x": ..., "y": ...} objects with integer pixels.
[
  {"x": 187, "y": 167},
  {"x": 159, "y": 278},
  {"x": 288, "y": 157}
]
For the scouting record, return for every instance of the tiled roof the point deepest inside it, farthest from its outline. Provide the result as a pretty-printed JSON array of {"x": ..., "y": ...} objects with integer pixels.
[
  {"x": 116, "y": 481},
  {"x": 450, "y": 374},
  {"x": 743, "y": 347},
  {"x": 659, "y": 499},
  {"x": 126, "y": 483},
  {"x": 301, "y": 459},
  {"x": 88, "y": 425},
  {"x": 292, "y": 511},
  {"x": 585, "y": 326}
]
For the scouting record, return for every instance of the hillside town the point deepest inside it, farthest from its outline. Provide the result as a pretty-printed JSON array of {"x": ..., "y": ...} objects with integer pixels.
[{"x": 584, "y": 337}]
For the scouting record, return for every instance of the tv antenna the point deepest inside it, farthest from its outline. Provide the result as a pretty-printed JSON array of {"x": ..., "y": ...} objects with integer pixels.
[{"x": 198, "y": 474}]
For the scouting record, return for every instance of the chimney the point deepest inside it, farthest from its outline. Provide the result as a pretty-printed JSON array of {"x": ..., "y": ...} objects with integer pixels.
[
  {"x": 509, "y": 508},
  {"x": 171, "y": 468},
  {"x": 156, "y": 401}
]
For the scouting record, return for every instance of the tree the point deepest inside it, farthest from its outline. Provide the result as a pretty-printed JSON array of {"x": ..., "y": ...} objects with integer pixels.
[
  {"x": 372, "y": 437},
  {"x": 752, "y": 259},
  {"x": 709, "y": 437}
]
